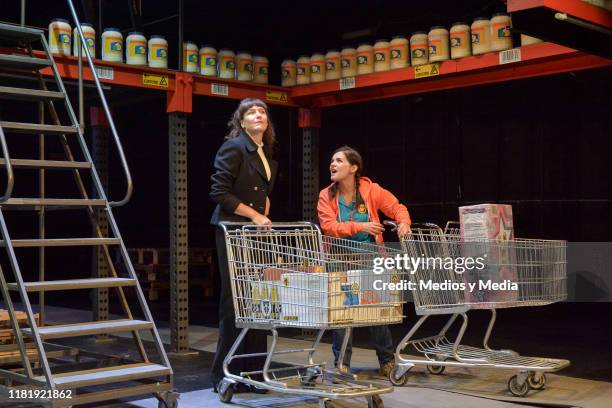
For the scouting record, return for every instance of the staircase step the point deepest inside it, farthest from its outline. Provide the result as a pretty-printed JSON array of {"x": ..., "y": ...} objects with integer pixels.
[
  {"x": 107, "y": 375},
  {"x": 22, "y": 243},
  {"x": 47, "y": 164},
  {"x": 93, "y": 283},
  {"x": 25, "y": 94},
  {"x": 64, "y": 202},
  {"x": 23, "y": 62},
  {"x": 89, "y": 328},
  {"x": 18, "y": 127},
  {"x": 16, "y": 32}
]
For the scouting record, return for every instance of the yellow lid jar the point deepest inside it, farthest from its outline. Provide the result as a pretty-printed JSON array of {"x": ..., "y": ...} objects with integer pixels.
[
  {"x": 501, "y": 32},
  {"x": 437, "y": 41},
  {"x": 419, "y": 53},
  {"x": 332, "y": 65},
  {"x": 481, "y": 35},
  {"x": 288, "y": 68},
  {"x": 382, "y": 58},
  {"x": 365, "y": 59},
  {"x": 348, "y": 57},
  {"x": 460, "y": 41},
  {"x": 398, "y": 52},
  {"x": 317, "y": 68}
]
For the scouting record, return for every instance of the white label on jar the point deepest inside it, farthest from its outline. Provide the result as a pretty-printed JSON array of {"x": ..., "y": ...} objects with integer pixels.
[
  {"x": 105, "y": 73},
  {"x": 508, "y": 56},
  {"x": 347, "y": 83},
  {"x": 219, "y": 89}
]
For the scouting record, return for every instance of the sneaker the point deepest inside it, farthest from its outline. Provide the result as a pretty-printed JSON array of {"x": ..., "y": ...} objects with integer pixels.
[{"x": 386, "y": 368}]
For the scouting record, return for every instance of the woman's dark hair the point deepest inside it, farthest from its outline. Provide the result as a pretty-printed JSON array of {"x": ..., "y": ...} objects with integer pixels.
[
  {"x": 354, "y": 158},
  {"x": 269, "y": 137}
]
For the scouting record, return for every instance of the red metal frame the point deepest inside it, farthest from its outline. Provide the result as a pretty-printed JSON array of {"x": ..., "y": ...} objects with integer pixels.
[
  {"x": 537, "y": 60},
  {"x": 575, "y": 8}
]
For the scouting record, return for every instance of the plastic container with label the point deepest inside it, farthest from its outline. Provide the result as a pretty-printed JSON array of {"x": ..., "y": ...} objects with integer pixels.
[
  {"x": 481, "y": 35},
  {"x": 90, "y": 39},
  {"x": 136, "y": 49},
  {"x": 419, "y": 53},
  {"x": 227, "y": 64},
  {"x": 365, "y": 59},
  {"x": 288, "y": 68},
  {"x": 244, "y": 66},
  {"x": 460, "y": 41},
  {"x": 59, "y": 36},
  {"x": 317, "y": 68},
  {"x": 348, "y": 60},
  {"x": 332, "y": 65},
  {"x": 382, "y": 59},
  {"x": 437, "y": 40},
  {"x": 260, "y": 69},
  {"x": 501, "y": 32},
  {"x": 190, "y": 57},
  {"x": 208, "y": 61},
  {"x": 112, "y": 45},
  {"x": 158, "y": 52},
  {"x": 398, "y": 52},
  {"x": 303, "y": 70}
]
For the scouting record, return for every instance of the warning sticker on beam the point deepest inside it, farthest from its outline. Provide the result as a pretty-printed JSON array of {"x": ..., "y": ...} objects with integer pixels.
[
  {"x": 427, "y": 70},
  {"x": 156, "y": 80},
  {"x": 276, "y": 96}
]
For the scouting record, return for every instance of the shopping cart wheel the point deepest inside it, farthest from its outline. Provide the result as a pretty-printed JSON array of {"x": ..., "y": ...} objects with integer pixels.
[
  {"x": 519, "y": 390},
  {"x": 395, "y": 380},
  {"x": 310, "y": 376},
  {"x": 226, "y": 391},
  {"x": 436, "y": 369},
  {"x": 536, "y": 384},
  {"x": 325, "y": 403},
  {"x": 374, "y": 401}
]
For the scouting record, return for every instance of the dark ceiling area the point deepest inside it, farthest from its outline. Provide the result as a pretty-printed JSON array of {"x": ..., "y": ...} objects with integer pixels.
[{"x": 275, "y": 29}]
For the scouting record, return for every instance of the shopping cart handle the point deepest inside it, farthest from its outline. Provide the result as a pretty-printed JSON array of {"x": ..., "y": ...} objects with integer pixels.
[
  {"x": 391, "y": 224},
  {"x": 226, "y": 225},
  {"x": 394, "y": 225}
]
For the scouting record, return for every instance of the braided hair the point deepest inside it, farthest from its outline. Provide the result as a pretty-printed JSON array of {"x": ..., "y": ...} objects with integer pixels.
[{"x": 354, "y": 158}]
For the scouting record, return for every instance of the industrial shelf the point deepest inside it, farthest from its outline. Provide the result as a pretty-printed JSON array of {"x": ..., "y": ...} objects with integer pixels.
[
  {"x": 529, "y": 61},
  {"x": 535, "y": 60}
]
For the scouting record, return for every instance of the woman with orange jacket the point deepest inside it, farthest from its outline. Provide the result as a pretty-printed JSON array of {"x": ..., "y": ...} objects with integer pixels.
[{"x": 348, "y": 208}]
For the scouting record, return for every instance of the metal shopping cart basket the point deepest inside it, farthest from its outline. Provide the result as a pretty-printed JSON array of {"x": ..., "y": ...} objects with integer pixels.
[
  {"x": 455, "y": 276},
  {"x": 290, "y": 275}
]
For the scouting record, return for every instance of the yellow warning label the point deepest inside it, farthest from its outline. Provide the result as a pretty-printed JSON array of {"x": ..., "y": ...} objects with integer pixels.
[
  {"x": 157, "y": 80},
  {"x": 276, "y": 96},
  {"x": 427, "y": 70}
]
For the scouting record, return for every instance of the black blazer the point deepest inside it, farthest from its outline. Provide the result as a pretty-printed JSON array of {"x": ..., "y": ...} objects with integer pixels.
[{"x": 240, "y": 177}]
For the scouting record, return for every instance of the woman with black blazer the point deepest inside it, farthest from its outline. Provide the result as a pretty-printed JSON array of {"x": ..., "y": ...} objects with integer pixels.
[{"x": 241, "y": 184}]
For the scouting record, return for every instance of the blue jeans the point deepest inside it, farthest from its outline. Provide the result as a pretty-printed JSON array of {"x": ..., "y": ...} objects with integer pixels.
[{"x": 379, "y": 335}]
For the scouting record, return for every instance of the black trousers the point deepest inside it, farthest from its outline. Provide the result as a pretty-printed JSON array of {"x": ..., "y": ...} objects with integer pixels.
[{"x": 255, "y": 340}]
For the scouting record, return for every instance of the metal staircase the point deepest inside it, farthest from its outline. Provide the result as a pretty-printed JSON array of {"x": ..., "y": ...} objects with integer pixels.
[{"x": 39, "y": 369}]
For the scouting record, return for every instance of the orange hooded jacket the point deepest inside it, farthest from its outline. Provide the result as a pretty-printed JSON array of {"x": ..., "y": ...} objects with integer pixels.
[{"x": 376, "y": 199}]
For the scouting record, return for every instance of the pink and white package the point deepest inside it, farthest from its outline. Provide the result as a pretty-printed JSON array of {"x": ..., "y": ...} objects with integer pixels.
[{"x": 486, "y": 221}]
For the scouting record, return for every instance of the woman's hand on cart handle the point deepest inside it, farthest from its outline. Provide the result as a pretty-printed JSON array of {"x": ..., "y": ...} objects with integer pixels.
[
  {"x": 373, "y": 228},
  {"x": 260, "y": 219},
  {"x": 403, "y": 229}
]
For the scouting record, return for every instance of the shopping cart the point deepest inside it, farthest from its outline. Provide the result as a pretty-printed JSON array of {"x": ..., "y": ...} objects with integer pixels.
[
  {"x": 290, "y": 275},
  {"x": 514, "y": 273}
]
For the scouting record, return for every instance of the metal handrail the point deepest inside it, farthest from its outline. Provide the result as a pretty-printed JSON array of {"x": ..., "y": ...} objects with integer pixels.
[
  {"x": 126, "y": 169},
  {"x": 10, "y": 182}
]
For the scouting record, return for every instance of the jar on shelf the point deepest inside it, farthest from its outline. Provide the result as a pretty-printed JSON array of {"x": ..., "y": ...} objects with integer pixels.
[
  {"x": 317, "y": 68},
  {"x": 381, "y": 56},
  {"x": 303, "y": 70},
  {"x": 419, "y": 52},
  {"x": 59, "y": 36},
  {"x": 365, "y": 59},
  {"x": 348, "y": 57},
  {"x": 481, "y": 35},
  {"x": 158, "y": 52},
  {"x": 226, "y": 59},
  {"x": 112, "y": 45},
  {"x": 208, "y": 61},
  {"x": 260, "y": 69},
  {"x": 460, "y": 41},
  {"x": 398, "y": 52},
  {"x": 437, "y": 40},
  {"x": 90, "y": 39},
  {"x": 501, "y": 32},
  {"x": 288, "y": 68},
  {"x": 136, "y": 49},
  {"x": 332, "y": 65},
  {"x": 190, "y": 57},
  {"x": 244, "y": 67}
]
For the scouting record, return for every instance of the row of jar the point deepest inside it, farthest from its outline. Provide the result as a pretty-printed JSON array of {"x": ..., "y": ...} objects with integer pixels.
[
  {"x": 154, "y": 52},
  {"x": 439, "y": 44}
]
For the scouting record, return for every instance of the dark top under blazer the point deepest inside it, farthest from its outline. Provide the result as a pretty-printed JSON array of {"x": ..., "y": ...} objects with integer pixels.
[{"x": 240, "y": 177}]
